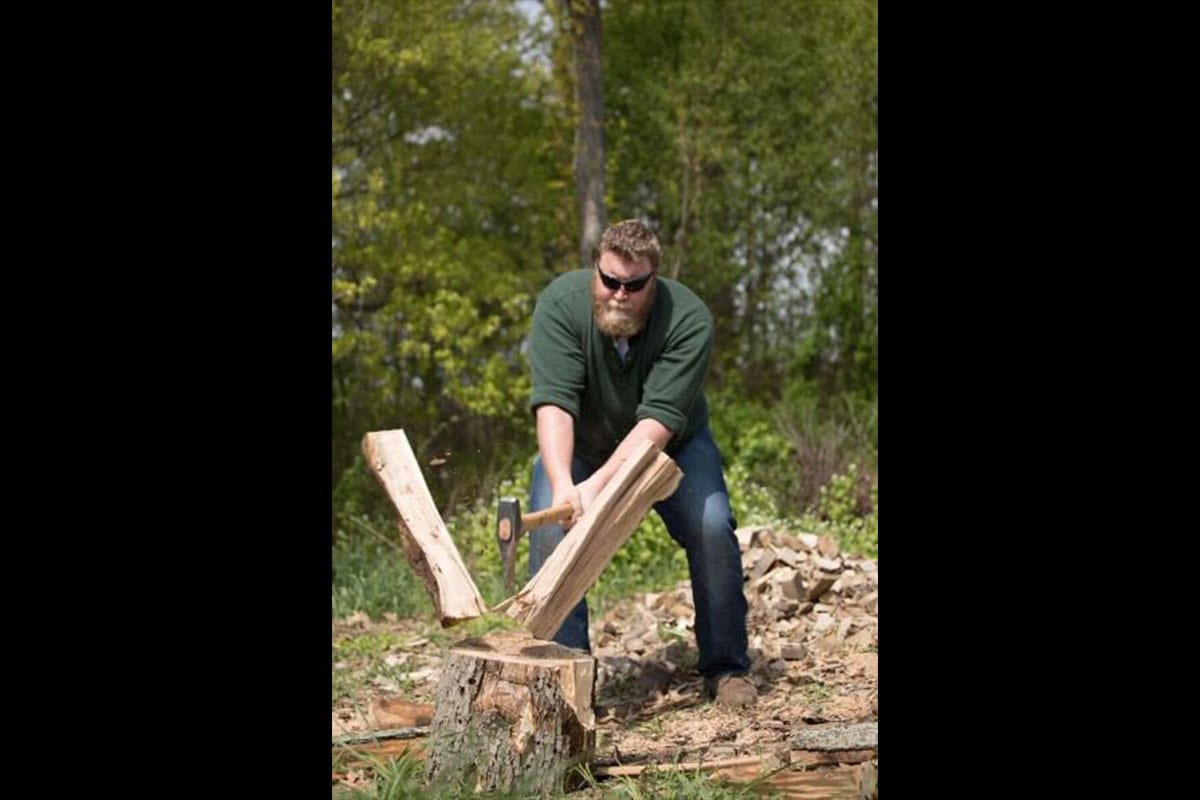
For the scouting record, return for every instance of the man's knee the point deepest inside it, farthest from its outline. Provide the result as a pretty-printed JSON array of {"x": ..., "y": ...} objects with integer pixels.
[{"x": 717, "y": 522}]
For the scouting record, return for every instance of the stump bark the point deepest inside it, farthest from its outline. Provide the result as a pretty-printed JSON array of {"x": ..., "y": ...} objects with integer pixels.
[{"x": 513, "y": 712}]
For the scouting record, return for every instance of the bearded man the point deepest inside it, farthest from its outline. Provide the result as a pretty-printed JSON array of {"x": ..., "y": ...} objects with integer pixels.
[{"x": 619, "y": 355}]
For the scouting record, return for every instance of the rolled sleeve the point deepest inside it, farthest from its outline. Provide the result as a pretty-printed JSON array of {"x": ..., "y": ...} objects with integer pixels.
[{"x": 677, "y": 376}]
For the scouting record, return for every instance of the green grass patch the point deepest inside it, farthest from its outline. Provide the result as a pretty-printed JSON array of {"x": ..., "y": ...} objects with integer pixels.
[{"x": 404, "y": 778}]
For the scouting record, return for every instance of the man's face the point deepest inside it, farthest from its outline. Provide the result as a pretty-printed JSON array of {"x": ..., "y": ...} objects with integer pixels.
[{"x": 619, "y": 312}]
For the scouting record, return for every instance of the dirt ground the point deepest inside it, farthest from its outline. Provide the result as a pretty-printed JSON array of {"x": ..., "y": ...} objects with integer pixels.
[{"x": 813, "y": 628}]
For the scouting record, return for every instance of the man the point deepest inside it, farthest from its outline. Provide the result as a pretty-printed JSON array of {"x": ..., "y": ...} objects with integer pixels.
[{"x": 619, "y": 354}]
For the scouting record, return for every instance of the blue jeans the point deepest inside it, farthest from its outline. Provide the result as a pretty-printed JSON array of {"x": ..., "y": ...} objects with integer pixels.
[{"x": 698, "y": 517}]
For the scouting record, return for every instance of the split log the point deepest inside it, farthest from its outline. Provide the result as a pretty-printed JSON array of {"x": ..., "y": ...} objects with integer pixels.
[
  {"x": 513, "y": 712},
  {"x": 423, "y": 535},
  {"x": 646, "y": 477}
]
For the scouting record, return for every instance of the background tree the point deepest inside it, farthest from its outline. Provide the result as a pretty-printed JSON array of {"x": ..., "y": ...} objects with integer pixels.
[
  {"x": 466, "y": 135},
  {"x": 581, "y": 19},
  {"x": 449, "y": 146}
]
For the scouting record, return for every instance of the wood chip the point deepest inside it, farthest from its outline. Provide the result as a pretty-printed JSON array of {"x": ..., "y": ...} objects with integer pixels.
[
  {"x": 829, "y": 564},
  {"x": 870, "y": 603},
  {"x": 788, "y": 581},
  {"x": 827, "y": 546},
  {"x": 819, "y": 587},
  {"x": 765, "y": 561},
  {"x": 748, "y": 536},
  {"x": 793, "y": 652},
  {"x": 809, "y": 540},
  {"x": 789, "y": 556}
]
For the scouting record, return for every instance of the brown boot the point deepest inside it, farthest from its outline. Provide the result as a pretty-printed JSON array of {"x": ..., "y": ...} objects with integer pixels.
[{"x": 732, "y": 691}]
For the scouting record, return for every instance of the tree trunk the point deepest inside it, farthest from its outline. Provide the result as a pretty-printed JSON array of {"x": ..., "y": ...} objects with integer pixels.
[
  {"x": 583, "y": 24},
  {"x": 513, "y": 712}
]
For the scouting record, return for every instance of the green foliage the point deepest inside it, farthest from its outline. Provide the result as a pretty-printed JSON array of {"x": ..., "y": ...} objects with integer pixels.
[
  {"x": 838, "y": 502},
  {"x": 838, "y": 514},
  {"x": 371, "y": 575},
  {"x": 396, "y": 778},
  {"x": 655, "y": 783},
  {"x": 817, "y": 692},
  {"x": 750, "y": 141},
  {"x": 368, "y": 645},
  {"x": 752, "y": 502},
  {"x": 446, "y": 143},
  {"x": 404, "y": 778},
  {"x": 361, "y": 660}
]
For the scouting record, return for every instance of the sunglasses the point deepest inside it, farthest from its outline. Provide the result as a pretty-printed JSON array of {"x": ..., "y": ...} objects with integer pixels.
[{"x": 635, "y": 285}]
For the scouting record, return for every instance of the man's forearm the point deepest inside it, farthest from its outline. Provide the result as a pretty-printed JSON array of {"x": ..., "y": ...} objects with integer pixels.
[
  {"x": 556, "y": 443},
  {"x": 646, "y": 428}
]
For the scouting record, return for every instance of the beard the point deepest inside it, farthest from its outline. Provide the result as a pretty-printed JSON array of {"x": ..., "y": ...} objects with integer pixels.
[{"x": 623, "y": 320}]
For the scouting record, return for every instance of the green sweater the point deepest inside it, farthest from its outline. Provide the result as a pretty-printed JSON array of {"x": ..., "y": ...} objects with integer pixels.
[{"x": 576, "y": 368}]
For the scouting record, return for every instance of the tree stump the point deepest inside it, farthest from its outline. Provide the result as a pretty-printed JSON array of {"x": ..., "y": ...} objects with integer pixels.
[{"x": 513, "y": 712}]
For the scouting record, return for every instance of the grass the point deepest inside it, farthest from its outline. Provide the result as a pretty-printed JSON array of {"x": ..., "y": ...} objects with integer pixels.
[
  {"x": 817, "y": 692},
  {"x": 664, "y": 783},
  {"x": 404, "y": 777},
  {"x": 360, "y": 660},
  {"x": 371, "y": 574}
]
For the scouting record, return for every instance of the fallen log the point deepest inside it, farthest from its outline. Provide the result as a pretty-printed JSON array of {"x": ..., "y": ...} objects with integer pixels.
[
  {"x": 513, "y": 712},
  {"x": 424, "y": 538}
]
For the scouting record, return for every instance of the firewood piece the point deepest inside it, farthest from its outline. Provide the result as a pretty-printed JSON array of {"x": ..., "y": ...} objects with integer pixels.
[
  {"x": 792, "y": 652},
  {"x": 513, "y": 712},
  {"x": 423, "y": 536},
  {"x": 395, "y": 712},
  {"x": 809, "y": 540},
  {"x": 829, "y": 564},
  {"x": 827, "y": 547},
  {"x": 646, "y": 477},
  {"x": 751, "y": 536},
  {"x": 790, "y": 556},
  {"x": 790, "y": 584},
  {"x": 822, "y": 585},
  {"x": 766, "y": 560}
]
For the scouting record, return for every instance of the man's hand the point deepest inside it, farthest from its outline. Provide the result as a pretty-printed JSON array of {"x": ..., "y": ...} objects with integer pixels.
[
  {"x": 581, "y": 496},
  {"x": 589, "y": 490},
  {"x": 569, "y": 494}
]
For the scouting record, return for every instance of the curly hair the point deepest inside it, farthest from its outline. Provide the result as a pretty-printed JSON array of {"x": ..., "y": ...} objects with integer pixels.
[{"x": 630, "y": 239}]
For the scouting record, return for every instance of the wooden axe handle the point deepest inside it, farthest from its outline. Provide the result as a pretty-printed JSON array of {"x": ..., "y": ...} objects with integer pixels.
[{"x": 546, "y": 515}]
